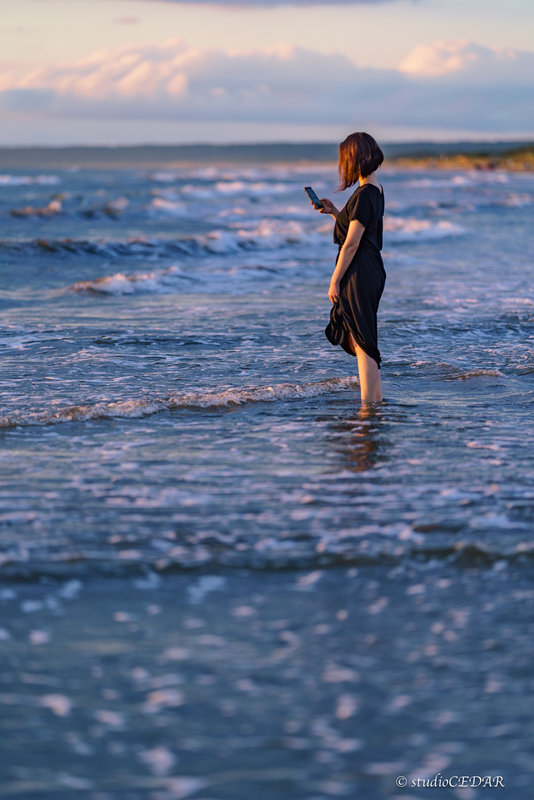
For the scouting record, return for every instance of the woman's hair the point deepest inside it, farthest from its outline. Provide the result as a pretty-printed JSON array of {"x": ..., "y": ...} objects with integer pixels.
[{"x": 359, "y": 155}]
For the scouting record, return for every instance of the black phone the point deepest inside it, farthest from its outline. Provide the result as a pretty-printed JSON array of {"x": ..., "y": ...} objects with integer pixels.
[{"x": 313, "y": 197}]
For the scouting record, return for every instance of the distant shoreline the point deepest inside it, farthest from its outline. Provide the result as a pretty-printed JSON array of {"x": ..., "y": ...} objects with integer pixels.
[
  {"x": 517, "y": 156},
  {"x": 520, "y": 160}
]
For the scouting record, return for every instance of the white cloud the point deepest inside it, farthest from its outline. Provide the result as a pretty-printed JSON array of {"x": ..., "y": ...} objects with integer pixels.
[
  {"x": 440, "y": 58},
  {"x": 474, "y": 63},
  {"x": 448, "y": 85}
]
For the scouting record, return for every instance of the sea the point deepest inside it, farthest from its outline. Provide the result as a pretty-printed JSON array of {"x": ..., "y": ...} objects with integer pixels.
[{"x": 221, "y": 577}]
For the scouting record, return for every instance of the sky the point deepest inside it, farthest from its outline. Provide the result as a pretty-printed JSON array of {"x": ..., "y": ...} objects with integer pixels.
[{"x": 167, "y": 71}]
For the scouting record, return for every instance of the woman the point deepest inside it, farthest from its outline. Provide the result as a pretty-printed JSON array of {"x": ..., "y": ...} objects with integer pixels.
[{"x": 359, "y": 276}]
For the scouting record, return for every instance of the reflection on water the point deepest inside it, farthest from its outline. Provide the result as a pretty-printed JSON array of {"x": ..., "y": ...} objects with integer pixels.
[{"x": 360, "y": 438}]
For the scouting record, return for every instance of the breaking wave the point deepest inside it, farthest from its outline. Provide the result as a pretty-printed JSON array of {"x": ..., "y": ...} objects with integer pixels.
[
  {"x": 192, "y": 400},
  {"x": 450, "y": 372},
  {"x": 409, "y": 229},
  {"x": 166, "y": 206},
  {"x": 28, "y": 180},
  {"x": 233, "y": 188},
  {"x": 157, "y": 282},
  {"x": 267, "y": 235},
  {"x": 470, "y": 178},
  {"x": 270, "y": 234}
]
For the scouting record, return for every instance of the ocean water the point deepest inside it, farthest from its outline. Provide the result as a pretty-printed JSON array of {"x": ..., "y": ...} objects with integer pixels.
[{"x": 179, "y": 436}]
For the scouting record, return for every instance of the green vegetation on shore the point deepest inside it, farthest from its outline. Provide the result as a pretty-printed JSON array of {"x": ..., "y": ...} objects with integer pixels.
[{"x": 520, "y": 159}]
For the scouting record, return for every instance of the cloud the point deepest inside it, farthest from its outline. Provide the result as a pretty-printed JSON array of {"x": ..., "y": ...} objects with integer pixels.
[
  {"x": 440, "y": 58},
  {"x": 448, "y": 85},
  {"x": 471, "y": 62}
]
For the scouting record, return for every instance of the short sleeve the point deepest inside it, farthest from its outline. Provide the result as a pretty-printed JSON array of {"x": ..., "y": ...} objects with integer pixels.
[{"x": 363, "y": 209}]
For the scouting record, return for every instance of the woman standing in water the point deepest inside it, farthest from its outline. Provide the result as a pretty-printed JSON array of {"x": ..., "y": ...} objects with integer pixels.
[{"x": 358, "y": 279}]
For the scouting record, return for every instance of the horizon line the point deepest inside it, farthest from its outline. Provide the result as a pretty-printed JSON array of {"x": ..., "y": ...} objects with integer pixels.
[{"x": 285, "y": 143}]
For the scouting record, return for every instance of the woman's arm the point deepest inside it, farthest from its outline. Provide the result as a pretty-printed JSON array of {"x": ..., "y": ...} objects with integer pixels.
[{"x": 347, "y": 253}]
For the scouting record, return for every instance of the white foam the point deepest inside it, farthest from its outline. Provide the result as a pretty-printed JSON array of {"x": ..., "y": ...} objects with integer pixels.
[
  {"x": 54, "y": 207},
  {"x": 440, "y": 183},
  {"x": 259, "y": 188},
  {"x": 280, "y": 172},
  {"x": 156, "y": 282},
  {"x": 471, "y": 178},
  {"x": 517, "y": 200},
  {"x": 236, "y": 187},
  {"x": 450, "y": 372},
  {"x": 219, "y": 242},
  {"x": 163, "y": 177},
  {"x": 488, "y": 176},
  {"x": 117, "y": 206},
  {"x": 244, "y": 235},
  {"x": 198, "y": 192},
  {"x": 170, "y": 208},
  {"x": 194, "y": 400},
  {"x": 26, "y": 180},
  {"x": 270, "y": 234},
  {"x": 410, "y": 229}
]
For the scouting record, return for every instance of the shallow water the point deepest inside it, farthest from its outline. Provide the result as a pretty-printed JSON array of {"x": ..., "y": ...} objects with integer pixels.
[
  {"x": 170, "y": 402},
  {"x": 165, "y": 365},
  {"x": 270, "y": 684}
]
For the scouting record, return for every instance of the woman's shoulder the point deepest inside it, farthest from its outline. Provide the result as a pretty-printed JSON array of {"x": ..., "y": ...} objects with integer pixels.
[
  {"x": 373, "y": 186},
  {"x": 369, "y": 191},
  {"x": 368, "y": 188}
]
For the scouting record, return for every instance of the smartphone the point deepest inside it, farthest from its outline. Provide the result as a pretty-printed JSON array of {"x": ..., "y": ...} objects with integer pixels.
[{"x": 313, "y": 197}]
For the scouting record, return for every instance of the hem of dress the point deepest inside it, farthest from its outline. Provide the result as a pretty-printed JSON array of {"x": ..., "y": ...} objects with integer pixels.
[{"x": 336, "y": 339}]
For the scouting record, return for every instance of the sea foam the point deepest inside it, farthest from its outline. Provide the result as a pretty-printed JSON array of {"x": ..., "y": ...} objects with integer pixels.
[{"x": 192, "y": 400}]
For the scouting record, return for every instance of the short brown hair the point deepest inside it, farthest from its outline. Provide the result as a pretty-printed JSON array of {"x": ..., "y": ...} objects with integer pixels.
[{"x": 359, "y": 155}]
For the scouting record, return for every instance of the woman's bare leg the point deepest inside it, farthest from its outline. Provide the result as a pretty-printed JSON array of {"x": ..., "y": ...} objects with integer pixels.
[{"x": 370, "y": 380}]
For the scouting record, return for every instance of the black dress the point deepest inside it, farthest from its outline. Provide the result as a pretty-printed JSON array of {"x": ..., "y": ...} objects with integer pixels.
[{"x": 363, "y": 283}]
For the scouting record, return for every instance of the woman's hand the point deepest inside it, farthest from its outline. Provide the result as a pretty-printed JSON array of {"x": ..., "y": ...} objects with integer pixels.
[
  {"x": 333, "y": 292},
  {"x": 345, "y": 258},
  {"x": 328, "y": 207}
]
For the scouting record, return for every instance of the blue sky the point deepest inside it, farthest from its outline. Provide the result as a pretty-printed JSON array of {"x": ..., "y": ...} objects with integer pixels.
[{"x": 132, "y": 71}]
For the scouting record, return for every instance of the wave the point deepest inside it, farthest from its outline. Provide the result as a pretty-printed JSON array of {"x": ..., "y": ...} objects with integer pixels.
[
  {"x": 28, "y": 180},
  {"x": 451, "y": 372},
  {"x": 201, "y": 400},
  {"x": 476, "y": 373},
  {"x": 163, "y": 176},
  {"x": 372, "y": 545},
  {"x": 233, "y": 188},
  {"x": 439, "y": 183},
  {"x": 165, "y": 281},
  {"x": 516, "y": 200},
  {"x": 157, "y": 282},
  {"x": 279, "y": 211},
  {"x": 53, "y": 208},
  {"x": 268, "y": 235},
  {"x": 410, "y": 229},
  {"x": 470, "y": 178},
  {"x": 250, "y": 174},
  {"x": 167, "y": 207},
  {"x": 232, "y": 183}
]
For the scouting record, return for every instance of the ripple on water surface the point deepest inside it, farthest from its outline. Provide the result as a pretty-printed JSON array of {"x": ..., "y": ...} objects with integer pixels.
[{"x": 169, "y": 399}]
